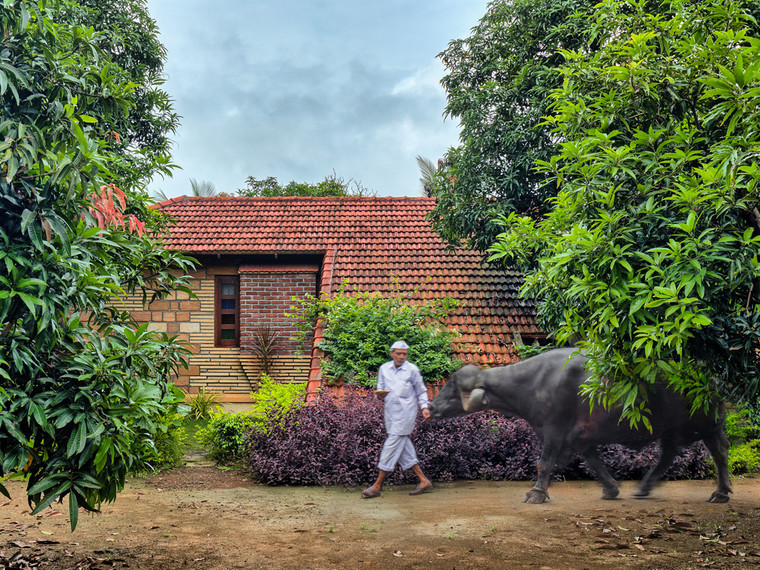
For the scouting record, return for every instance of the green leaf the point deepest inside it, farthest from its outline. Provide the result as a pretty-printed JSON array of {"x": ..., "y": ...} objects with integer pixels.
[
  {"x": 27, "y": 217},
  {"x": 73, "y": 511},
  {"x": 106, "y": 445},
  {"x": 44, "y": 484},
  {"x": 77, "y": 441},
  {"x": 84, "y": 147}
]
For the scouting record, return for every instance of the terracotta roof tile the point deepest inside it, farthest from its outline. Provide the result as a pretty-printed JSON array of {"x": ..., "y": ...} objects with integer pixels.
[{"x": 372, "y": 243}]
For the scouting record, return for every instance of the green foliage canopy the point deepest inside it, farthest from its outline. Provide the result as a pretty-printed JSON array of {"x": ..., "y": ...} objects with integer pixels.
[
  {"x": 498, "y": 84},
  {"x": 359, "y": 329},
  {"x": 331, "y": 186},
  {"x": 650, "y": 255},
  {"x": 82, "y": 387},
  {"x": 128, "y": 37}
]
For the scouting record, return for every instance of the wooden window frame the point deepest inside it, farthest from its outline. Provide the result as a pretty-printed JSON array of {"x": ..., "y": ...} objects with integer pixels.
[{"x": 219, "y": 282}]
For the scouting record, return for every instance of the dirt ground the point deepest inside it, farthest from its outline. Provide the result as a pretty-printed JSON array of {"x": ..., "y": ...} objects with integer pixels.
[{"x": 201, "y": 517}]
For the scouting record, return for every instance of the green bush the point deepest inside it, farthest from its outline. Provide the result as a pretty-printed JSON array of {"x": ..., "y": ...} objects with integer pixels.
[
  {"x": 225, "y": 433},
  {"x": 739, "y": 428},
  {"x": 744, "y": 459},
  {"x": 743, "y": 433},
  {"x": 360, "y": 328},
  {"x": 170, "y": 441},
  {"x": 525, "y": 351},
  {"x": 165, "y": 447},
  {"x": 273, "y": 399}
]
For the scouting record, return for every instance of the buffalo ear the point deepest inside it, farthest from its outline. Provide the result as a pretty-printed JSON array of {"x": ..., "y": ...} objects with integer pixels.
[{"x": 476, "y": 401}]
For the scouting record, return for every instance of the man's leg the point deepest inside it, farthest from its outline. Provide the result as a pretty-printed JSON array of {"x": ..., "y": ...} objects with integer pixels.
[
  {"x": 389, "y": 456},
  {"x": 408, "y": 460},
  {"x": 376, "y": 486},
  {"x": 424, "y": 481}
]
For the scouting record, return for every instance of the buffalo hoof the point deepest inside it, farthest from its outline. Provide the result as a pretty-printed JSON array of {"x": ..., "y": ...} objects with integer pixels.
[
  {"x": 718, "y": 497},
  {"x": 641, "y": 493},
  {"x": 535, "y": 496},
  {"x": 609, "y": 494}
]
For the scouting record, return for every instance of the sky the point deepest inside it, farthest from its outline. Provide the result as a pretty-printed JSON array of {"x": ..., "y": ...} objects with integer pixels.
[{"x": 304, "y": 89}]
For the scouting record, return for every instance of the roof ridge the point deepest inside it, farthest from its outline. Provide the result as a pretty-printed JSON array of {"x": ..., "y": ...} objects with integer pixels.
[{"x": 185, "y": 198}]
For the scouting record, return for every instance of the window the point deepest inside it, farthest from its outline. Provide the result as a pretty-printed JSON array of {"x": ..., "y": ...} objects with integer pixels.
[{"x": 227, "y": 311}]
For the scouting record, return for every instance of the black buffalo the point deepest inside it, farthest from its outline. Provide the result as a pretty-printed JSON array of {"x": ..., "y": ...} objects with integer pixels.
[{"x": 543, "y": 390}]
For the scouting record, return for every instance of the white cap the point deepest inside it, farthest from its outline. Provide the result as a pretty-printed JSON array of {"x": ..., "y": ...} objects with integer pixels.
[{"x": 399, "y": 345}]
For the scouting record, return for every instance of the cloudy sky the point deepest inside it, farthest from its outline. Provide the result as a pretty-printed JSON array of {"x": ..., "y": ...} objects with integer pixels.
[{"x": 299, "y": 89}]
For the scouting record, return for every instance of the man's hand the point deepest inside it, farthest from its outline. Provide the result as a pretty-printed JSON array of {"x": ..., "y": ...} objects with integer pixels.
[
  {"x": 381, "y": 394},
  {"x": 425, "y": 414}
]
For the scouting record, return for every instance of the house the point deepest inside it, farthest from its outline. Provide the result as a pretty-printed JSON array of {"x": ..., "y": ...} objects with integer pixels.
[{"x": 256, "y": 254}]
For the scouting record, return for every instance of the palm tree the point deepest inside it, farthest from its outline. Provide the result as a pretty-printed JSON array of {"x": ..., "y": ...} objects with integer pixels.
[
  {"x": 428, "y": 172},
  {"x": 160, "y": 196},
  {"x": 202, "y": 188}
]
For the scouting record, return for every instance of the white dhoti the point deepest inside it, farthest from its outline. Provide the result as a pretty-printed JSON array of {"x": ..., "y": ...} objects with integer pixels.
[{"x": 397, "y": 449}]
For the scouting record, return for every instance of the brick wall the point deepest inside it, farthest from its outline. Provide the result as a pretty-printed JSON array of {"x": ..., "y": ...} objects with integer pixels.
[
  {"x": 232, "y": 372},
  {"x": 266, "y": 295}
]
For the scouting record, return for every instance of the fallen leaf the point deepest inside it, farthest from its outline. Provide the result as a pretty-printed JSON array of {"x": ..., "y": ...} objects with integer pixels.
[
  {"x": 47, "y": 532},
  {"x": 397, "y": 554},
  {"x": 639, "y": 546}
]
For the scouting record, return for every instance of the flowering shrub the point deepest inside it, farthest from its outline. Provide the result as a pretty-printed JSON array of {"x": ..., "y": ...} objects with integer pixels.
[{"x": 337, "y": 440}]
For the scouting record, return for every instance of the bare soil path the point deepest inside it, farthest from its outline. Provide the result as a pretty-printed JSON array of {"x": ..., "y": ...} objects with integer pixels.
[{"x": 201, "y": 517}]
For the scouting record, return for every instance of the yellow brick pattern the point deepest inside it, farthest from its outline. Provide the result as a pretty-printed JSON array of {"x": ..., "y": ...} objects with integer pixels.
[{"x": 221, "y": 370}]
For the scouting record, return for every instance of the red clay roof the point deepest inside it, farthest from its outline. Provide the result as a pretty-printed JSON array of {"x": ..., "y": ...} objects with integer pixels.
[{"x": 376, "y": 244}]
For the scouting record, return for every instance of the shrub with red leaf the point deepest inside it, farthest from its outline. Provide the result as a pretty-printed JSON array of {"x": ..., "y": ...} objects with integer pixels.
[
  {"x": 108, "y": 209},
  {"x": 337, "y": 440}
]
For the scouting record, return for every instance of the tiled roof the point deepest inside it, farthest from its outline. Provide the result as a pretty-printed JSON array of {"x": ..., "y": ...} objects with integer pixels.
[{"x": 377, "y": 244}]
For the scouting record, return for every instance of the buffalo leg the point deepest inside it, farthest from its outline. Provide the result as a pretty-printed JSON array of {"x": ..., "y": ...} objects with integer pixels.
[
  {"x": 667, "y": 455},
  {"x": 611, "y": 489},
  {"x": 718, "y": 446},
  {"x": 549, "y": 456}
]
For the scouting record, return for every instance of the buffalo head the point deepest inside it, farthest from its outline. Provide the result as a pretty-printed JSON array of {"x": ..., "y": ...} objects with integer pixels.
[{"x": 462, "y": 394}]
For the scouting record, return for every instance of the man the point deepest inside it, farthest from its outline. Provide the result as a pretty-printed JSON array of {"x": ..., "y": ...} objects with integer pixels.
[{"x": 400, "y": 386}]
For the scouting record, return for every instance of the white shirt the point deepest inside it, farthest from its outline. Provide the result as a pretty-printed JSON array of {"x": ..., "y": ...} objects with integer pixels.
[{"x": 407, "y": 391}]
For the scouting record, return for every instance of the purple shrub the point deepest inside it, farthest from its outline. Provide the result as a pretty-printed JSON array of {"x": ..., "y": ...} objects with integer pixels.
[
  {"x": 337, "y": 442},
  {"x": 624, "y": 463},
  {"x": 332, "y": 442},
  {"x": 477, "y": 446}
]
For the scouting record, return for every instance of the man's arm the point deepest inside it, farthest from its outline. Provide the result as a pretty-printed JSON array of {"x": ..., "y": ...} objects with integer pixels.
[
  {"x": 380, "y": 384},
  {"x": 421, "y": 390}
]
